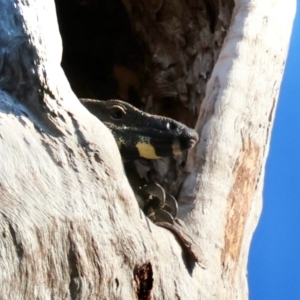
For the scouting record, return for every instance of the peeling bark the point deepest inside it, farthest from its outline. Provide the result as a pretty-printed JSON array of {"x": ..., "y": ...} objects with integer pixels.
[{"x": 70, "y": 226}]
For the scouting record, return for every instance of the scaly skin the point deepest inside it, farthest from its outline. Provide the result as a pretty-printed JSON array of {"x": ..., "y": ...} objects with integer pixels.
[{"x": 139, "y": 134}]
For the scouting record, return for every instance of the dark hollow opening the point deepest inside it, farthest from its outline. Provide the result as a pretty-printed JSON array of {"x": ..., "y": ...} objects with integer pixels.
[{"x": 102, "y": 57}]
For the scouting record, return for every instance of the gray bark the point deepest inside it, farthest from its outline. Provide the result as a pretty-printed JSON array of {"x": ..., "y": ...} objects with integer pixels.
[{"x": 70, "y": 225}]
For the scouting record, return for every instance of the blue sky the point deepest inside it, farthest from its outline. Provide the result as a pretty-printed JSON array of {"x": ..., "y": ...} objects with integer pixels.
[{"x": 274, "y": 265}]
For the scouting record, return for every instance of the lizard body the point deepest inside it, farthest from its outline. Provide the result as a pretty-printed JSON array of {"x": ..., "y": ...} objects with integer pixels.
[{"x": 139, "y": 134}]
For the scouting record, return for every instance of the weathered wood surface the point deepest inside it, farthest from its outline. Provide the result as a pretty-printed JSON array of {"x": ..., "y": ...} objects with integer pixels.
[{"x": 70, "y": 226}]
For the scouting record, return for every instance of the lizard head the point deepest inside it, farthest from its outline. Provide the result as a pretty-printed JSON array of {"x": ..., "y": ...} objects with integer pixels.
[{"x": 139, "y": 134}]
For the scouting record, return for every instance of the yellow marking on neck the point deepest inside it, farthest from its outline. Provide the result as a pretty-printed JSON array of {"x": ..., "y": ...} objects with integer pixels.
[
  {"x": 176, "y": 148},
  {"x": 146, "y": 150}
]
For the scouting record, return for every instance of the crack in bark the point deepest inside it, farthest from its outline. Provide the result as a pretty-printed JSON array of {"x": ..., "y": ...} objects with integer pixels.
[
  {"x": 16, "y": 240},
  {"x": 74, "y": 285},
  {"x": 143, "y": 276},
  {"x": 17, "y": 243}
]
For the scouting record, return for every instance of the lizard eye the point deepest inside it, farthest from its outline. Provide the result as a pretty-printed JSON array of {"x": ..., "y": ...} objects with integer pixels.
[
  {"x": 117, "y": 112},
  {"x": 171, "y": 126}
]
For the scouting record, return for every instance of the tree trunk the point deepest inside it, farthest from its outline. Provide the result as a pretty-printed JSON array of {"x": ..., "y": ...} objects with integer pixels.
[{"x": 71, "y": 227}]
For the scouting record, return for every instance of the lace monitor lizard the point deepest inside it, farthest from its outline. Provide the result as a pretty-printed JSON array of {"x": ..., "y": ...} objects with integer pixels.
[
  {"x": 142, "y": 135},
  {"x": 139, "y": 134}
]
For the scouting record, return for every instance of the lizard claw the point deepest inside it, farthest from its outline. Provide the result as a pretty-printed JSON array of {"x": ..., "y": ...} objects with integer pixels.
[
  {"x": 156, "y": 193},
  {"x": 159, "y": 206},
  {"x": 171, "y": 205},
  {"x": 161, "y": 215}
]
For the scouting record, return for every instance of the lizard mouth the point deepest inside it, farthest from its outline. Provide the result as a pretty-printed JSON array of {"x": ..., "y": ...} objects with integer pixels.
[
  {"x": 164, "y": 145},
  {"x": 188, "y": 140},
  {"x": 192, "y": 142},
  {"x": 156, "y": 144},
  {"x": 184, "y": 144}
]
